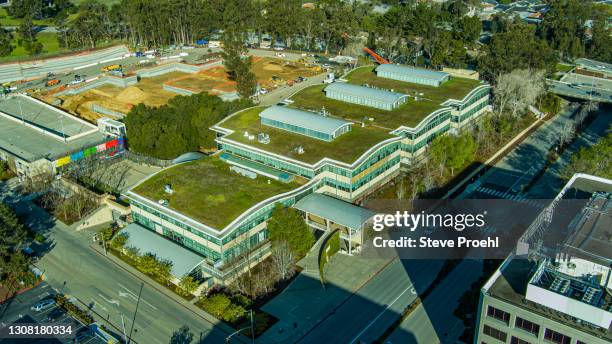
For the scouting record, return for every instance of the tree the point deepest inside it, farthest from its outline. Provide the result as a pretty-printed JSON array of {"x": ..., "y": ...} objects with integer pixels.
[
  {"x": 14, "y": 265},
  {"x": 286, "y": 224},
  {"x": 28, "y": 40},
  {"x": 517, "y": 48},
  {"x": 182, "y": 336},
  {"x": 187, "y": 285},
  {"x": 283, "y": 259},
  {"x": 6, "y": 38},
  {"x": 120, "y": 241},
  {"x": 518, "y": 90},
  {"x": 178, "y": 127},
  {"x": 222, "y": 307},
  {"x": 238, "y": 64},
  {"x": 595, "y": 160}
]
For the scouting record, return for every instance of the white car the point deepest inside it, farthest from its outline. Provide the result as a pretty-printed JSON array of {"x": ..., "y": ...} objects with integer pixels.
[
  {"x": 263, "y": 91},
  {"x": 279, "y": 48},
  {"x": 42, "y": 305}
]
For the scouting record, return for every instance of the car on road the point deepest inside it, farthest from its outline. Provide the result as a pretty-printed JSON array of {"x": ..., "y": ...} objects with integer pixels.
[
  {"x": 83, "y": 335},
  {"x": 301, "y": 78},
  {"x": 42, "y": 305},
  {"x": 55, "y": 315}
]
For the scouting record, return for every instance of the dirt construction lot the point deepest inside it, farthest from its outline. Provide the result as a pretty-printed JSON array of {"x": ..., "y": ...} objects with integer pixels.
[
  {"x": 270, "y": 72},
  {"x": 148, "y": 91}
]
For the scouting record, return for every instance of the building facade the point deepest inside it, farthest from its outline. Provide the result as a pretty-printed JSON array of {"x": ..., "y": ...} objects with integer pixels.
[
  {"x": 343, "y": 181},
  {"x": 558, "y": 291}
]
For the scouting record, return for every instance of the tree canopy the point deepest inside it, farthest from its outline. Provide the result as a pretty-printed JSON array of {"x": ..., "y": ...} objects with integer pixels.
[
  {"x": 287, "y": 225},
  {"x": 178, "y": 127}
]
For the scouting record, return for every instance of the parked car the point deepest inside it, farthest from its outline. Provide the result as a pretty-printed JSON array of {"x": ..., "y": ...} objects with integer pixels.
[
  {"x": 83, "y": 335},
  {"x": 42, "y": 305},
  {"x": 55, "y": 315},
  {"x": 301, "y": 79},
  {"x": 263, "y": 91}
]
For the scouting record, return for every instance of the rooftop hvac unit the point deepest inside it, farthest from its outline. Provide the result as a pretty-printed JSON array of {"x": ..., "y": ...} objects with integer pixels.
[
  {"x": 168, "y": 189},
  {"x": 246, "y": 134},
  {"x": 163, "y": 202},
  {"x": 263, "y": 138},
  {"x": 299, "y": 150},
  {"x": 251, "y": 137}
]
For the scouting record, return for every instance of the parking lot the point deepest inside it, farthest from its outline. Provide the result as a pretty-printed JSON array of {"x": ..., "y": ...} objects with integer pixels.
[{"x": 18, "y": 310}]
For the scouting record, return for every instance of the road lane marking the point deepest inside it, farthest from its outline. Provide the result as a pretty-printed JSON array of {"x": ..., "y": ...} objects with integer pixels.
[
  {"x": 111, "y": 301},
  {"x": 135, "y": 297},
  {"x": 381, "y": 313}
]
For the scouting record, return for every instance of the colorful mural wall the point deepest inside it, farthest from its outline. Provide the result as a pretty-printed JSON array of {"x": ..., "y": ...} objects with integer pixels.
[{"x": 111, "y": 148}]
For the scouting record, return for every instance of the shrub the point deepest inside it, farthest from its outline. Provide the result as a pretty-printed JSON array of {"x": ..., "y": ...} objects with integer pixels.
[
  {"x": 119, "y": 242},
  {"x": 73, "y": 310},
  {"x": 187, "y": 286},
  {"x": 221, "y": 306}
]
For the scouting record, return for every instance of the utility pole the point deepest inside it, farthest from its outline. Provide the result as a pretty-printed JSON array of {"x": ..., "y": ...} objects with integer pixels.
[{"x": 135, "y": 312}]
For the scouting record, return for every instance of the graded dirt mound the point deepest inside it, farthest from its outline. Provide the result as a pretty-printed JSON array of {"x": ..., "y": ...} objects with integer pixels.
[{"x": 132, "y": 95}]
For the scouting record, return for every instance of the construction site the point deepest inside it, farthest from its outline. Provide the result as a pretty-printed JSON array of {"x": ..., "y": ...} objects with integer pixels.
[{"x": 114, "y": 96}]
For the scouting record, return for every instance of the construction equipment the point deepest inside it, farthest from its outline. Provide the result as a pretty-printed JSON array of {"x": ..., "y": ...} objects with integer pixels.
[
  {"x": 52, "y": 82},
  {"x": 376, "y": 57},
  {"x": 111, "y": 67}
]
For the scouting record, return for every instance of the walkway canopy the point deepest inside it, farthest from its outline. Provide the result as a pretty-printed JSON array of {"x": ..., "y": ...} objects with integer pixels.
[
  {"x": 335, "y": 210},
  {"x": 147, "y": 241}
]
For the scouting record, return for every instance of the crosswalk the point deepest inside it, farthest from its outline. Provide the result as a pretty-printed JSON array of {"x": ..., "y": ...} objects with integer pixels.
[{"x": 510, "y": 196}]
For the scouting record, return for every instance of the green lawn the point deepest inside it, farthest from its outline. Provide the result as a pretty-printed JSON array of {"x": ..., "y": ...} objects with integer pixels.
[
  {"x": 6, "y": 20},
  {"x": 48, "y": 40},
  {"x": 346, "y": 148},
  {"x": 209, "y": 192},
  {"x": 560, "y": 67}
]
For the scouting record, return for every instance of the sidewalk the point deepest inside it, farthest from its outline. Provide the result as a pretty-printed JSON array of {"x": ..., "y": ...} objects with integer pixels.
[{"x": 161, "y": 289}]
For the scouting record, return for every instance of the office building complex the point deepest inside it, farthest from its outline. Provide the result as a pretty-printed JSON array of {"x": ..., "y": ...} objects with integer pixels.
[{"x": 319, "y": 154}]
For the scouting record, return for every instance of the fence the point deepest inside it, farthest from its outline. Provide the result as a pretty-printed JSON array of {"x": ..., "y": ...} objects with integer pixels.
[{"x": 142, "y": 159}]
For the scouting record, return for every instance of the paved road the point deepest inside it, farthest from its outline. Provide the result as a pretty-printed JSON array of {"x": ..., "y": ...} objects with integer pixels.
[
  {"x": 286, "y": 91},
  {"x": 434, "y": 321},
  {"x": 549, "y": 184},
  {"x": 368, "y": 313},
  {"x": 581, "y": 92},
  {"x": 107, "y": 289}
]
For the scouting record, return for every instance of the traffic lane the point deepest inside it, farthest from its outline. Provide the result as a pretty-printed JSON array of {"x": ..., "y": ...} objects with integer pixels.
[
  {"x": 112, "y": 291},
  {"x": 378, "y": 304}
]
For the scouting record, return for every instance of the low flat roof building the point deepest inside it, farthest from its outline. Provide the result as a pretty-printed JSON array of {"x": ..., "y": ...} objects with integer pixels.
[
  {"x": 36, "y": 137},
  {"x": 559, "y": 289},
  {"x": 412, "y": 74},
  {"x": 368, "y": 96},
  {"x": 305, "y": 122}
]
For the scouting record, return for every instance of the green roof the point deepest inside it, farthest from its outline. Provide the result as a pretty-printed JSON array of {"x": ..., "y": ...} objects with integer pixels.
[
  {"x": 350, "y": 146},
  {"x": 208, "y": 192},
  {"x": 409, "y": 114},
  {"x": 346, "y": 148}
]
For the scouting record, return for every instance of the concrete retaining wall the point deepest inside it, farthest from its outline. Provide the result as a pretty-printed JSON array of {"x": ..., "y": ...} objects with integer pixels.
[
  {"x": 168, "y": 68},
  {"x": 181, "y": 91},
  {"x": 102, "y": 110},
  {"x": 110, "y": 80}
]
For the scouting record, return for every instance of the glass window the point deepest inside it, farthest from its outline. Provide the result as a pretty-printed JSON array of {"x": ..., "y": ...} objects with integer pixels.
[
  {"x": 498, "y": 314},
  {"x": 494, "y": 333},
  {"x": 527, "y": 326},
  {"x": 556, "y": 337},
  {"x": 515, "y": 340}
]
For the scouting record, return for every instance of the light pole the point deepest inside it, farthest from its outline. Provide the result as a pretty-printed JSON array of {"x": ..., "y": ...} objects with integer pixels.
[{"x": 228, "y": 339}]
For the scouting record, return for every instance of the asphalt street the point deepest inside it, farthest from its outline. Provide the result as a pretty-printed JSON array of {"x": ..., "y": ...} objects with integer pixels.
[
  {"x": 71, "y": 266},
  {"x": 368, "y": 313}
]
